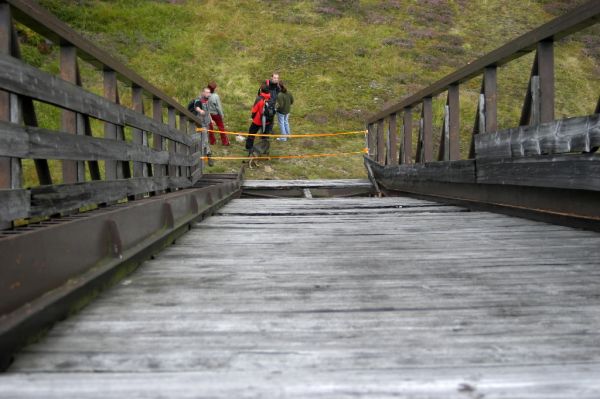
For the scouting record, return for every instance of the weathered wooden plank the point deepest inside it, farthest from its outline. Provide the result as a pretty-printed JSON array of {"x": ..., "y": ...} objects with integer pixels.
[
  {"x": 14, "y": 204},
  {"x": 16, "y": 77},
  {"x": 32, "y": 142},
  {"x": 334, "y": 183},
  {"x": 516, "y": 320},
  {"x": 566, "y": 171},
  {"x": 578, "y": 134},
  {"x": 449, "y": 171},
  {"x": 49, "y": 200}
]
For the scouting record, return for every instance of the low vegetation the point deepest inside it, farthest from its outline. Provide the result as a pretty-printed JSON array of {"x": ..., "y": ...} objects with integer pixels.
[{"x": 342, "y": 60}]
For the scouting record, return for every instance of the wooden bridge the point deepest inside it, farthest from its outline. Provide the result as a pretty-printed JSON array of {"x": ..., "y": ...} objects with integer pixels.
[{"x": 469, "y": 276}]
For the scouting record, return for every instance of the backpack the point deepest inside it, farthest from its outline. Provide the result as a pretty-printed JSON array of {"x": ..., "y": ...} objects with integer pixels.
[
  {"x": 191, "y": 106},
  {"x": 269, "y": 110}
]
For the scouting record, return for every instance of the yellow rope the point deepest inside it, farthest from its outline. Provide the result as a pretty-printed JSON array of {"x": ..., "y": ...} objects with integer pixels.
[
  {"x": 288, "y": 156},
  {"x": 287, "y": 135}
]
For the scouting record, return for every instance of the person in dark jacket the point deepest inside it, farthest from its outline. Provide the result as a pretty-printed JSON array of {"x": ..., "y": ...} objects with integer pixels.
[
  {"x": 273, "y": 85},
  {"x": 284, "y": 106},
  {"x": 259, "y": 124}
]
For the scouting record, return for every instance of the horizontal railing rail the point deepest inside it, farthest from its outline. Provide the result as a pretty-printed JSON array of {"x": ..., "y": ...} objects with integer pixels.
[
  {"x": 538, "y": 107},
  {"x": 141, "y": 155}
]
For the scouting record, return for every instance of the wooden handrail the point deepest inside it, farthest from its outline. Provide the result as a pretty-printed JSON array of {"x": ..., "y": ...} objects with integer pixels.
[
  {"x": 577, "y": 19},
  {"x": 43, "y": 22}
]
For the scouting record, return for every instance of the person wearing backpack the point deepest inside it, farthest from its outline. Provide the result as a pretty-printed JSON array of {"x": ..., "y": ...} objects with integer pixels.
[
  {"x": 199, "y": 107},
  {"x": 263, "y": 113},
  {"x": 216, "y": 113},
  {"x": 284, "y": 105},
  {"x": 273, "y": 85}
]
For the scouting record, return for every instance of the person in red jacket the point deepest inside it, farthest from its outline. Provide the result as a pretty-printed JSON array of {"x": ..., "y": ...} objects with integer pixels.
[{"x": 261, "y": 123}]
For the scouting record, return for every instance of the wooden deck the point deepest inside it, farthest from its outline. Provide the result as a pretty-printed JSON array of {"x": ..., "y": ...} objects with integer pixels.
[
  {"x": 307, "y": 188},
  {"x": 338, "y": 298}
]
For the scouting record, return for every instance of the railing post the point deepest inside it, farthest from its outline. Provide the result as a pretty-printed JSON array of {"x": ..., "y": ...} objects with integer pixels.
[
  {"x": 73, "y": 171},
  {"x": 137, "y": 103},
  {"x": 545, "y": 60},
  {"x": 453, "y": 123},
  {"x": 182, "y": 148},
  {"x": 490, "y": 93},
  {"x": 380, "y": 142},
  {"x": 197, "y": 149},
  {"x": 5, "y": 38},
  {"x": 407, "y": 136},
  {"x": 110, "y": 129},
  {"x": 393, "y": 140},
  {"x": 427, "y": 130},
  {"x": 172, "y": 121},
  {"x": 371, "y": 142},
  {"x": 10, "y": 109},
  {"x": 157, "y": 140}
]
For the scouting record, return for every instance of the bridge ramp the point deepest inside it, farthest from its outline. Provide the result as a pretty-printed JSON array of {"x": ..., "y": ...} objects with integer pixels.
[{"x": 334, "y": 298}]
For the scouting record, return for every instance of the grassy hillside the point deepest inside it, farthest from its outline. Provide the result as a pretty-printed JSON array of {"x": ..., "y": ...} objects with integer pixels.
[{"x": 341, "y": 59}]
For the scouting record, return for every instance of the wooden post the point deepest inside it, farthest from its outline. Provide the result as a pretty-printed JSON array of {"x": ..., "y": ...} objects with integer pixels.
[
  {"x": 157, "y": 142},
  {"x": 73, "y": 171},
  {"x": 453, "y": 123},
  {"x": 182, "y": 148},
  {"x": 198, "y": 148},
  {"x": 545, "y": 59},
  {"x": 371, "y": 139},
  {"x": 393, "y": 142},
  {"x": 427, "y": 130},
  {"x": 443, "y": 153},
  {"x": 535, "y": 117},
  {"x": 137, "y": 100},
  {"x": 380, "y": 143},
  {"x": 172, "y": 121},
  {"x": 407, "y": 136},
  {"x": 490, "y": 93},
  {"x": 6, "y": 164},
  {"x": 110, "y": 130}
]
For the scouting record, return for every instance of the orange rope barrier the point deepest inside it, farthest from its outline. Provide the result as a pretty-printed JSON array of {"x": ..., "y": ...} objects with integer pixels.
[
  {"x": 287, "y": 135},
  {"x": 287, "y": 156}
]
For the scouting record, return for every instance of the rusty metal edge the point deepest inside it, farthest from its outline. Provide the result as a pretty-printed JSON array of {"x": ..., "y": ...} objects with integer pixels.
[{"x": 33, "y": 319}]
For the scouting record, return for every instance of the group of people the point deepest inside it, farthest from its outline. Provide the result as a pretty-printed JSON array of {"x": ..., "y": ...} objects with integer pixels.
[{"x": 273, "y": 99}]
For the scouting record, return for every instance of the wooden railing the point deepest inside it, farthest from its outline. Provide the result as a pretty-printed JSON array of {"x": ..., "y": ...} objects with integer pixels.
[
  {"x": 538, "y": 108},
  {"x": 157, "y": 155}
]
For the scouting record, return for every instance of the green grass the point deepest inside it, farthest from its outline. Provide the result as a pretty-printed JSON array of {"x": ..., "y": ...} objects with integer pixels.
[{"x": 342, "y": 60}]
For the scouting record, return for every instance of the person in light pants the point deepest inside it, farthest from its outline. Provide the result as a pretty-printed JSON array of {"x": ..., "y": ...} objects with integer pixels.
[{"x": 284, "y": 106}]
